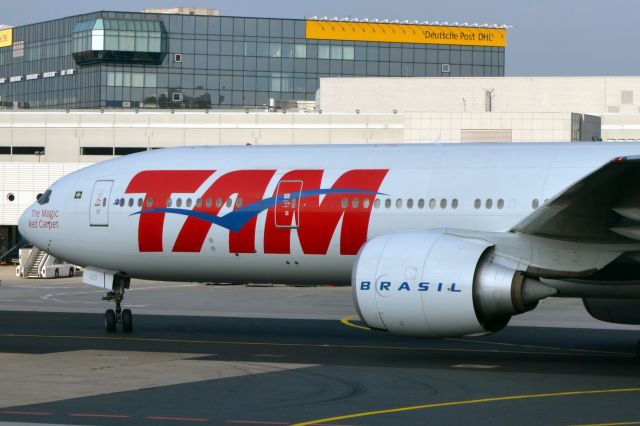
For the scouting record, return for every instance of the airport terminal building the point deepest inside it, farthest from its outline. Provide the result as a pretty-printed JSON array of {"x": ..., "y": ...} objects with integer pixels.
[{"x": 196, "y": 59}]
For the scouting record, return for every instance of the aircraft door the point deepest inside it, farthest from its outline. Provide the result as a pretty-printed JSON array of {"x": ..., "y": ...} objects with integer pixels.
[
  {"x": 100, "y": 200},
  {"x": 287, "y": 208}
]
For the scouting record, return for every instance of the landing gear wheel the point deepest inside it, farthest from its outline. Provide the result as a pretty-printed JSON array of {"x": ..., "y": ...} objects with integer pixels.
[
  {"x": 120, "y": 283},
  {"x": 110, "y": 320},
  {"x": 127, "y": 321}
]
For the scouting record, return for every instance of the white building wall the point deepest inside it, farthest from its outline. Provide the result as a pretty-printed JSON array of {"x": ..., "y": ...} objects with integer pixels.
[
  {"x": 25, "y": 181},
  {"x": 589, "y": 95},
  {"x": 524, "y": 127},
  {"x": 63, "y": 134}
]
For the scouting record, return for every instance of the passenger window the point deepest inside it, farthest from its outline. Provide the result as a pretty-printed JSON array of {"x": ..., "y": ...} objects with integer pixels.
[
  {"x": 121, "y": 202},
  {"x": 366, "y": 203},
  {"x": 535, "y": 203},
  {"x": 199, "y": 202},
  {"x": 149, "y": 202},
  {"x": 355, "y": 202},
  {"x": 443, "y": 203},
  {"x": 130, "y": 202},
  {"x": 420, "y": 203},
  {"x": 387, "y": 203},
  {"x": 229, "y": 202},
  {"x": 209, "y": 202},
  {"x": 168, "y": 202},
  {"x": 500, "y": 203},
  {"x": 376, "y": 203},
  {"x": 489, "y": 203},
  {"x": 410, "y": 203},
  {"x": 179, "y": 202},
  {"x": 432, "y": 203},
  {"x": 454, "y": 203},
  {"x": 239, "y": 203},
  {"x": 345, "y": 203},
  {"x": 399, "y": 203},
  {"x": 477, "y": 203},
  {"x": 218, "y": 203},
  {"x": 139, "y": 202},
  {"x": 188, "y": 202}
]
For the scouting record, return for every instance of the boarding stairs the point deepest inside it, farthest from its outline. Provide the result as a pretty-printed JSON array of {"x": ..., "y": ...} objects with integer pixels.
[{"x": 34, "y": 261}]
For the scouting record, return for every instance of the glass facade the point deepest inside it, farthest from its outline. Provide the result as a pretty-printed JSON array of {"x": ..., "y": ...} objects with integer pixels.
[
  {"x": 119, "y": 41},
  {"x": 146, "y": 60}
]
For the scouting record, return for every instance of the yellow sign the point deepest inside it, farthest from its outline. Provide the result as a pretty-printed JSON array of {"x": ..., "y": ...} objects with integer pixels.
[
  {"x": 406, "y": 33},
  {"x": 6, "y": 37}
]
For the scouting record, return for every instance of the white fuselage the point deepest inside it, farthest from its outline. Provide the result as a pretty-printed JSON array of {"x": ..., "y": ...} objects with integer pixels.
[{"x": 353, "y": 193}]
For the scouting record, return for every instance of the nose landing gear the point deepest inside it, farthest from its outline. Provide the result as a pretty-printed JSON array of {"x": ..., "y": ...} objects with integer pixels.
[{"x": 111, "y": 317}]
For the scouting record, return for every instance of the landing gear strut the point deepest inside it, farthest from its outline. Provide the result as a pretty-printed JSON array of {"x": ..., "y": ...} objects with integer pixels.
[{"x": 111, "y": 317}]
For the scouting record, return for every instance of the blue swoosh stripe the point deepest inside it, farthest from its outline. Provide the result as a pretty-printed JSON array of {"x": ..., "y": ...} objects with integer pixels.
[{"x": 235, "y": 220}]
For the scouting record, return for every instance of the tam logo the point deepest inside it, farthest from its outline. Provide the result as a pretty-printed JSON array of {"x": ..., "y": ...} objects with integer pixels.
[{"x": 296, "y": 203}]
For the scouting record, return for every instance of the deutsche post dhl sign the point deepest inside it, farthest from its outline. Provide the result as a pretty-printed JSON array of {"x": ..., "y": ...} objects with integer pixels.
[{"x": 6, "y": 37}]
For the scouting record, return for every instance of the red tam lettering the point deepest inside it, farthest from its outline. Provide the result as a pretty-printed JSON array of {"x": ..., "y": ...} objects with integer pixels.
[
  {"x": 250, "y": 186},
  {"x": 158, "y": 185},
  {"x": 319, "y": 220}
]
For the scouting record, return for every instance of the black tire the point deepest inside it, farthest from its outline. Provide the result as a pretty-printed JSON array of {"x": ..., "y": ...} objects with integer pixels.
[
  {"x": 71, "y": 272},
  {"x": 57, "y": 273},
  {"x": 127, "y": 321},
  {"x": 110, "y": 320}
]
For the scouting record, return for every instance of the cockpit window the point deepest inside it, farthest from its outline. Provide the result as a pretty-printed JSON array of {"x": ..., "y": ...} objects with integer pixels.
[{"x": 44, "y": 199}]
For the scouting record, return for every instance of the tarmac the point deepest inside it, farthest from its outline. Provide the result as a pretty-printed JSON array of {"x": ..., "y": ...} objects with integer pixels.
[{"x": 276, "y": 355}]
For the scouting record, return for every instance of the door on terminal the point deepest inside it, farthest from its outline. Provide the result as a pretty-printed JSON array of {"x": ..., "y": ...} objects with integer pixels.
[
  {"x": 99, "y": 210},
  {"x": 287, "y": 209}
]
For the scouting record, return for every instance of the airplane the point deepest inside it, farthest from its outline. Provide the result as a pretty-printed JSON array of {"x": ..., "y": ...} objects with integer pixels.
[{"x": 436, "y": 240}]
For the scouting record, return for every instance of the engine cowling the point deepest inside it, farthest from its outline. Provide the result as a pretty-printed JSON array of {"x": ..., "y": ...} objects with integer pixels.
[{"x": 433, "y": 284}]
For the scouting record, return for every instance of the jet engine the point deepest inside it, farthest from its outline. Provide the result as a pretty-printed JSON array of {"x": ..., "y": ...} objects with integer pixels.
[{"x": 433, "y": 284}]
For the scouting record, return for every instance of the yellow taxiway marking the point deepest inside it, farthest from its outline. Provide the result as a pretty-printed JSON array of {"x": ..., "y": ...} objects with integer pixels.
[
  {"x": 464, "y": 402},
  {"x": 347, "y": 321},
  {"x": 309, "y": 345}
]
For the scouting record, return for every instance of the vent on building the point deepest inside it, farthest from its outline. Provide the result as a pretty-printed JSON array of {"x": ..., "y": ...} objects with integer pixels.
[
  {"x": 178, "y": 57},
  {"x": 126, "y": 104},
  {"x": 488, "y": 99},
  {"x": 446, "y": 68},
  {"x": 176, "y": 97}
]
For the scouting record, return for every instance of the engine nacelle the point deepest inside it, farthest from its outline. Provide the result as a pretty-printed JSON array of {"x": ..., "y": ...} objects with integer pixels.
[{"x": 433, "y": 284}]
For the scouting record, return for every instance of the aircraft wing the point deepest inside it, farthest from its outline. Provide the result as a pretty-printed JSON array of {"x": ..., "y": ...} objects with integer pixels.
[{"x": 604, "y": 206}]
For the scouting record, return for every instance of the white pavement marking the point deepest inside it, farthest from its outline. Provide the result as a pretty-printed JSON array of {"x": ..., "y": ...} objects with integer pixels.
[{"x": 479, "y": 366}]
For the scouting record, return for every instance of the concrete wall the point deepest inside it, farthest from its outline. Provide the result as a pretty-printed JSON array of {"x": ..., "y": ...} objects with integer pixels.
[
  {"x": 63, "y": 134},
  {"x": 525, "y": 127},
  {"x": 591, "y": 95}
]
